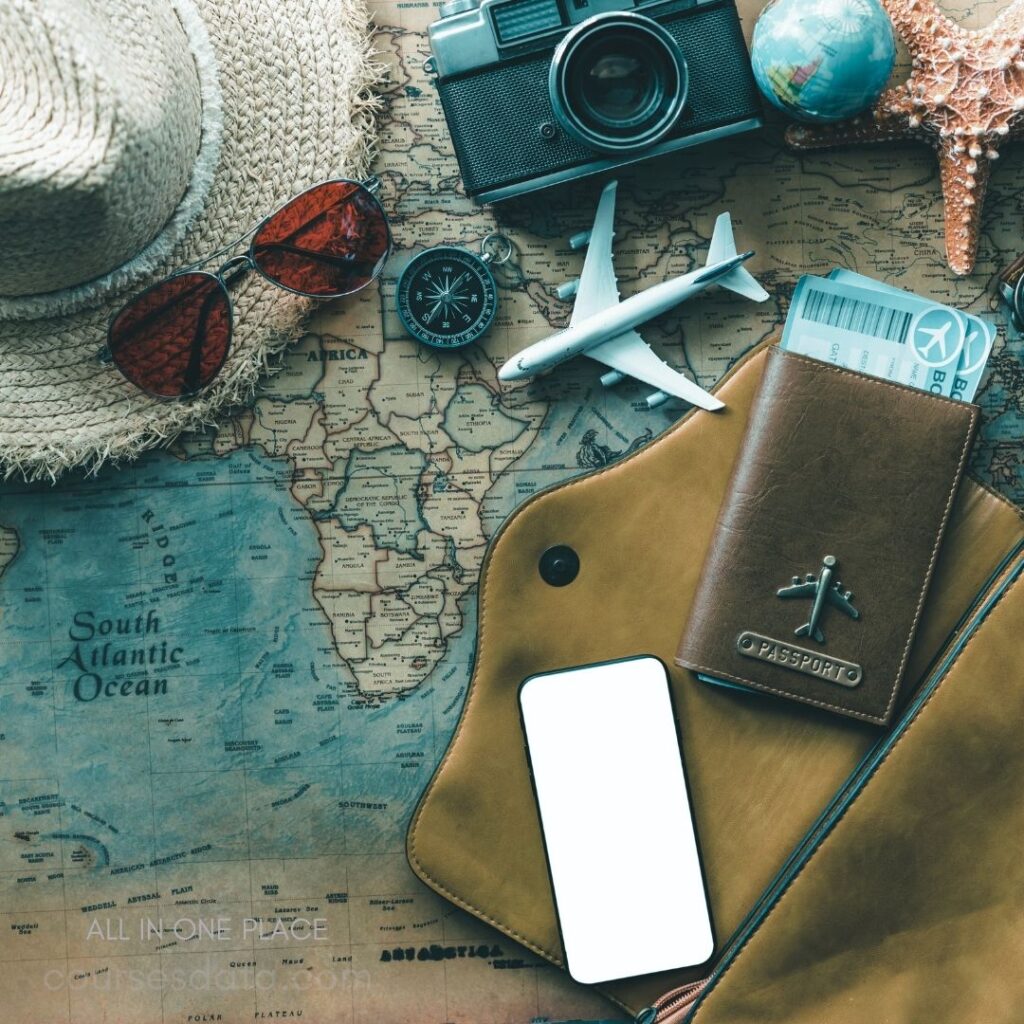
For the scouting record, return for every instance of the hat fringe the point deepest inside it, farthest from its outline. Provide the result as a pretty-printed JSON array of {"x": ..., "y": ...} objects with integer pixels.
[{"x": 233, "y": 393}]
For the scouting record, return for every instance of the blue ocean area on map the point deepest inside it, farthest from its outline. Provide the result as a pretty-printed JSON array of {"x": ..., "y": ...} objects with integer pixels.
[{"x": 171, "y": 691}]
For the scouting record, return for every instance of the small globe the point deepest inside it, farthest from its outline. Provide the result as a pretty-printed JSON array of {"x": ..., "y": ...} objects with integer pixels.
[{"x": 822, "y": 60}]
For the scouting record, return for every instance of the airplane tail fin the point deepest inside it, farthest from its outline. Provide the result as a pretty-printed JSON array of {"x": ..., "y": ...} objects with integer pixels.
[{"x": 723, "y": 247}]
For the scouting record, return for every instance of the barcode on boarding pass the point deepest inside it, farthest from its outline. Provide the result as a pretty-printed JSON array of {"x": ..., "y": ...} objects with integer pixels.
[{"x": 856, "y": 315}]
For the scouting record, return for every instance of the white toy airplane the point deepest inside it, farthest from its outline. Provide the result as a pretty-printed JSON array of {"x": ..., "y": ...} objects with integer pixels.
[{"x": 603, "y": 327}]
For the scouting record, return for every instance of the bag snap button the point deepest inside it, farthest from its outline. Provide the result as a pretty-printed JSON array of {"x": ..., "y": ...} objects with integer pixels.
[{"x": 559, "y": 566}]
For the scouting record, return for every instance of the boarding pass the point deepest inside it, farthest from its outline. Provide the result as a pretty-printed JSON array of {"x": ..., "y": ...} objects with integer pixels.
[{"x": 855, "y": 322}]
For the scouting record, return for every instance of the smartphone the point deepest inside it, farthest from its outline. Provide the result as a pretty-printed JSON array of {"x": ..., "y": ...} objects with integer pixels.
[{"x": 618, "y": 825}]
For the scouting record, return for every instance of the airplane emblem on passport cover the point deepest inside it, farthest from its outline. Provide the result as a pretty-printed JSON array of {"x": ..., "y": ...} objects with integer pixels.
[{"x": 822, "y": 590}]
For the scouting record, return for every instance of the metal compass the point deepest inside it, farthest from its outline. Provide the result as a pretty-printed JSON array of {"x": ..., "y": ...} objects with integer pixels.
[{"x": 447, "y": 297}]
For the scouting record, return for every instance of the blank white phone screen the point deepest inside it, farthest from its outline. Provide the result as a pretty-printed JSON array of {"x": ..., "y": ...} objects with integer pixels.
[{"x": 617, "y": 823}]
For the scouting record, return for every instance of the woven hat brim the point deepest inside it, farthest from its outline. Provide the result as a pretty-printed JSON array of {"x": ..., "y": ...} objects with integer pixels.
[{"x": 297, "y": 87}]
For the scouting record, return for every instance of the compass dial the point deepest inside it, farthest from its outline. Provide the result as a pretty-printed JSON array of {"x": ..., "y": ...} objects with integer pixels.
[{"x": 446, "y": 297}]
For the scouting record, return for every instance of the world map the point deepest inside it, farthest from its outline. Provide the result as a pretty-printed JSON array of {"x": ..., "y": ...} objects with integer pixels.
[{"x": 231, "y": 668}]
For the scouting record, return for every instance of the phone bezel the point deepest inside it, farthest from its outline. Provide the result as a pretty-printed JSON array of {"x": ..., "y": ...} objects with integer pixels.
[{"x": 700, "y": 968}]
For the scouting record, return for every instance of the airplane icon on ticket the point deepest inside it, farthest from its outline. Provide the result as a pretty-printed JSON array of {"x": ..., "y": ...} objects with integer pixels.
[{"x": 937, "y": 336}]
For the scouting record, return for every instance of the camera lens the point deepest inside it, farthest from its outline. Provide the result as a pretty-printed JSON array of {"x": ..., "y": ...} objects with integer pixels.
[{"x": 618, "y": 82}]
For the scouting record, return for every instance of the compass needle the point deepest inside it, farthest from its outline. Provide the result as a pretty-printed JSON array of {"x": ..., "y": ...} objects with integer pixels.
[{"x": 447, "y": 297}]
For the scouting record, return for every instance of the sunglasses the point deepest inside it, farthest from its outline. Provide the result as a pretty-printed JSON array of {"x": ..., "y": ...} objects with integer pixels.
[{"x": 173, "y": 339}]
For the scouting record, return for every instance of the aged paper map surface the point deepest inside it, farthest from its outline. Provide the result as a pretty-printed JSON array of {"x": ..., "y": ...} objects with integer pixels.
[{"x": 229, "y": 671}]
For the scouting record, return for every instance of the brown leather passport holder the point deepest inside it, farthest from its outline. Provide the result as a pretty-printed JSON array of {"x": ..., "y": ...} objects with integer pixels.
[{"x": 827, "y": 538}]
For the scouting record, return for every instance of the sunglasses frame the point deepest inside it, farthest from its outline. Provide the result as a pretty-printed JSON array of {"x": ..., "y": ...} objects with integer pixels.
[{"x": 241, "y": 263}]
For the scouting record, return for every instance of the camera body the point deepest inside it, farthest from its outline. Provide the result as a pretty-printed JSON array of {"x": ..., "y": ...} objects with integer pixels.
[{"x": 540, "y": 92}]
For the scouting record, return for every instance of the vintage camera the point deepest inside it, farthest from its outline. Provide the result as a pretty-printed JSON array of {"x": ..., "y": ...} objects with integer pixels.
[{"x": 538, "y": 92}]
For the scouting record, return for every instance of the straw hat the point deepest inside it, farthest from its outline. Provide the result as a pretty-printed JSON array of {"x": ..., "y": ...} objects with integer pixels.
[{"x": 136, "y": 138}]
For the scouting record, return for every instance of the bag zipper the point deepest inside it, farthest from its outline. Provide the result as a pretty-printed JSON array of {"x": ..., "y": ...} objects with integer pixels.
[
  {"x": 671, "y": 1005},
  {"x": 679, "y": 1004}
]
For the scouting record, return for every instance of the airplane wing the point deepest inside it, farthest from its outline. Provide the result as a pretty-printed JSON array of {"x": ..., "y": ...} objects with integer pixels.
[
  {"x": 842, "y": 604},
  {"x": 598, "y": 288},
  {"x": 798, "y": 590},
  {"x": 630, "y": 354}
]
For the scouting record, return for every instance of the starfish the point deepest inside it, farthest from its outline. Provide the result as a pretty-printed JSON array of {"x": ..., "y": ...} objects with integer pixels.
[{"x": 965, "y": 97}]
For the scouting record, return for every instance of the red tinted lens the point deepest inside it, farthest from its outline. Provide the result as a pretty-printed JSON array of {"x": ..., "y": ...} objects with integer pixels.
[
  {"x": 331, "y": 240},
  {"x": 173, "y": 339}
]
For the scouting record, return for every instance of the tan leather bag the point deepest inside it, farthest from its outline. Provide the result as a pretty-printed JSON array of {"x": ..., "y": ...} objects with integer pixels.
[
  {"x": 761, "y": 769},
  {"x": 905, "y": 905}
]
